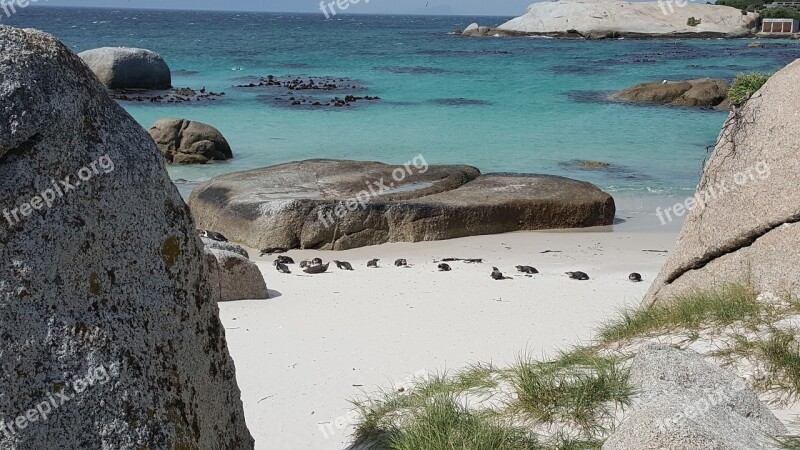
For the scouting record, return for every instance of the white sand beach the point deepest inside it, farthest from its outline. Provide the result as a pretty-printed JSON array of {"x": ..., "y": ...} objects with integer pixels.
[{"x": 303, "y": 354}]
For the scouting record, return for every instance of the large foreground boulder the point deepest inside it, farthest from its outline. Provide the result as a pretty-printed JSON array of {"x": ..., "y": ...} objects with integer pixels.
[
  {"x": 183, "y": 141},
  {"x": 687, "y": 403},
  {"x": 604, "y": 18},
  {"x": 109, "y": 332},
  {"x": 703, "y": 92},
  {"x": 128, "y": 68},
  {"x": 744, "y": 224},
  {"x": 327, "y": 204}
]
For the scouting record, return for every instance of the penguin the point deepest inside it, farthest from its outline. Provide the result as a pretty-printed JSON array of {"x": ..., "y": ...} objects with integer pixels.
[
  {"x": 444, "y": 267},
  {"x": 285, "y": 260},
  {"x": 343, "y": 265},
  {"x": 282, "y": 268},
  {"x": 316, "y": 262},
  {"x": 635, "y": 277},
  {"x": 497, "y": 275},
  {"x": 373, "y": 264},
  {"x": 580, "y": 276},
  {"x": 401, "y": 263},
  {"x": 317, "y": 269},
  {"x": 304, "y": 264},
  {"x": 213, "y": 235},
  {"x": 527, "y": 269}
]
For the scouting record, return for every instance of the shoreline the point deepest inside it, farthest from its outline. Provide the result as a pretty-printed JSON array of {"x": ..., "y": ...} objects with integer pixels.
[
  {"x": 622, "y": 35},
  {"x": 321, "y": 339}
]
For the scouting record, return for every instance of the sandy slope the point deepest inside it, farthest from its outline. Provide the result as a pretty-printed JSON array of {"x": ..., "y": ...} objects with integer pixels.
[
  {"x": 301, "y": 355},
  {"x": 661, "y": 18}
]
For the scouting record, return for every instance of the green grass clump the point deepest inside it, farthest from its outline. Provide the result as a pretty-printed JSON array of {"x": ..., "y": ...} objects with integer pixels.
[
  {"x": 692, "y": 22},
  {"x": 781, "y": 352},
  {"x": 745, "y": 85},
  {"x": 789, "y": 442},
  {"x": 444, "y": 424},
  {"x": 390, "y": 415},
  {"x": 579, "y": 389},
  {"x": 691, "y": 312}
]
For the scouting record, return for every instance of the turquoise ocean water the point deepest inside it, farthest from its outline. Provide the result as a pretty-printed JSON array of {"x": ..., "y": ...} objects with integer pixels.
[{"x": 510, "y": 105}]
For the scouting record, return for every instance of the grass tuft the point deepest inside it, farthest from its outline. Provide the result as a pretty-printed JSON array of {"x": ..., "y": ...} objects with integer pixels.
[
  {"x": 781, "y": 352},
  {"x": 442, "y": 423},
  {"x": 579, "y": 390},
  {"x": 719, "y": 307},
  {"x": 745, "y": 85},
  {"x": 789, "y": 442}
]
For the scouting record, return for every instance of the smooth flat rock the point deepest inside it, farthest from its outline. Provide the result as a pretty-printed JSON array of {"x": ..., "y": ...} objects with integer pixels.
[
  {"x": 743, "y": 228},
  {"x": 330, "y": 204},
  {"x": 128, "y": 68},
  {"x": 103, "y": 291},
  {"x": 612, "y": 19}
]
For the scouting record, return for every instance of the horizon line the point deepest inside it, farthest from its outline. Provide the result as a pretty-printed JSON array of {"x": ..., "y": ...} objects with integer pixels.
[{"x": 50, "y": 5}]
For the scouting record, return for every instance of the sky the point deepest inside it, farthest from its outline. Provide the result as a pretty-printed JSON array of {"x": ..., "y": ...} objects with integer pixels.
[{"x": 461, "y": 7}]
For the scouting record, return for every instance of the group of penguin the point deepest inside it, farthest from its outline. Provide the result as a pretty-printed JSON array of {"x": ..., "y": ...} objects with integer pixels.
[{"x": 315, "y": 266}]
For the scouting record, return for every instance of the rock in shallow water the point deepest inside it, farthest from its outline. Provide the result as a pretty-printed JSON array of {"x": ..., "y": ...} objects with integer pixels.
[
  {"x": 183, "y": 141},
  {"x": 704, "y": 92},
  {"x": 128, "y": 68},
  {"x": 330, "y": 204},
  {"x": 106, "y": 277}
]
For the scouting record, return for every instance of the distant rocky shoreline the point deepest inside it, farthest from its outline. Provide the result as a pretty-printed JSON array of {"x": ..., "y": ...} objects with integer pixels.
[{"x": 593, "y": 19}]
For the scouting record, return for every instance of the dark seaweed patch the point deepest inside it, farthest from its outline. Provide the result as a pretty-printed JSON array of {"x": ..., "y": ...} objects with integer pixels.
[
  {"x": 460, "y": 102},
  {"x": 414, "y": 70}
]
